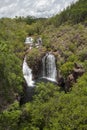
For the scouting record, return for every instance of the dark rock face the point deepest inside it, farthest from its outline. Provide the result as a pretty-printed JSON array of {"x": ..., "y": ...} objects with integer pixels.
[
  {"x": 61, "y": 82},
  {"x": 36, "y": 62},
  {"x": 69, "y": 82},
  {"x": 27, "y": 95},
  {"x": 36, "y": 69},
  {"x": 77, "y": 72}
]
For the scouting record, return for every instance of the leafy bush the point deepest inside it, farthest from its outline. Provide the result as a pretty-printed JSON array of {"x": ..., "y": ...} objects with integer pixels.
[
  {"x": 46, "y": 42},
  {"x": 73, "y": 58},
  {"x": 9, "y": 118},
  {"x": 66, "y": 68},
  {"x": 75, "y": 13},
  {"x": 50, "y": 109}
]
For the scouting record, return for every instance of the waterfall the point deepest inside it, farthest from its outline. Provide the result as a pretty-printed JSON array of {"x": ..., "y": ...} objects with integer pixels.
[
  {"x": 27, "y": 72},
  {"x": 49, "y": 73},
  {"x": 49, "y": 67}
]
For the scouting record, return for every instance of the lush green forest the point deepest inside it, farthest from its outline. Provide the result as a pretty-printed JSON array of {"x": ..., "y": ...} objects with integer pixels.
[{"x": 52, "y": 108}]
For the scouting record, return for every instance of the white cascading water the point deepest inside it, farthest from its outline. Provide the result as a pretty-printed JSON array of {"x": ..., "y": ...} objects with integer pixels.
[
  {"x": 27, "y": 72},
  {"x": 49, "y": 67}
]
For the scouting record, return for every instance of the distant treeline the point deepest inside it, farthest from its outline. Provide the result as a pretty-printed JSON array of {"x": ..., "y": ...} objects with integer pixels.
[
  {"x": 75, "y": 13},
  {"x": 29, "y": 19}
]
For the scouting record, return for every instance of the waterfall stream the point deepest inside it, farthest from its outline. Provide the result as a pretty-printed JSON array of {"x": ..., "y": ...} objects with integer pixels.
[
  {"x": 27, "y": 72},
  {"x": 49, "y": 67},
  {"x": 49, "y": 71}
]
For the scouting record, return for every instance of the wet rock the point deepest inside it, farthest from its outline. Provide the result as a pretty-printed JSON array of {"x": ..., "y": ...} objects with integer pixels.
[{"x": 61, "y": 82}]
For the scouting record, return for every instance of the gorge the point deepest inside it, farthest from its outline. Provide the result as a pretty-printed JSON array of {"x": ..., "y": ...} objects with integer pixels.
[
  {"x": 48, "y": 72},
  {"x": 44, "y": 86}
]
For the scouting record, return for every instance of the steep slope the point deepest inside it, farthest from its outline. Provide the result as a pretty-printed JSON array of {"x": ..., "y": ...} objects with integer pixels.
[
  {"x": 64, "y": 35},
  {"x": 75, "y": 13}
]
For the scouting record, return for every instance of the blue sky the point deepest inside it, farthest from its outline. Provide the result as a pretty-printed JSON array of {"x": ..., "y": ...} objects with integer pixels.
[{"x": 37, "y": 8}]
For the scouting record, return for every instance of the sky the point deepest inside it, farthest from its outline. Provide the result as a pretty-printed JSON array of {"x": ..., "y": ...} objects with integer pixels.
[{"x": 37, "y": 8}]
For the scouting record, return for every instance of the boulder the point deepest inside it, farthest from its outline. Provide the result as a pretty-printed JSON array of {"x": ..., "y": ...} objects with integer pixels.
[
  {"x": 78, "y": 71},
  {"x": 69, "y": 82}
]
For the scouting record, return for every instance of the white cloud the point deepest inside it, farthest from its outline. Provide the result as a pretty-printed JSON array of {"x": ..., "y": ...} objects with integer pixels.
[{"x": 38, "y": 8}]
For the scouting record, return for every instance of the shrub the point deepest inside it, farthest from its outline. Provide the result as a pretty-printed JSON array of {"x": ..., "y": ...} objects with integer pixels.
[{"x": 66, "y": 68}]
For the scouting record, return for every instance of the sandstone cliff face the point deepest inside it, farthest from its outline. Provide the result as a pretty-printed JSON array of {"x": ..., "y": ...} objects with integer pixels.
[{"x": 34, "y": 60}]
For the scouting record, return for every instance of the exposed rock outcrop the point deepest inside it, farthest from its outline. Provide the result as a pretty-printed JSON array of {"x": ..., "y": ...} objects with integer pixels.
[
  {"x": 67, "y": 84},
  {"x": 78, "y": 71}
]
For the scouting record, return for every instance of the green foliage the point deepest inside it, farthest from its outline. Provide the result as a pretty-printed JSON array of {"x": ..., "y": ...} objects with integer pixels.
[
  {"x": 38, "y": 28},
  {"x": 35, "y": 28},
  {"x": 75, "y": 13},
  {"x": 11, "y": 77},
  {"x": 10, "y": 71},
  {"x": 46, "y": 42},
  {"x": 51, "y": 109},
  {"x": 34, "y": 60},
  {"x": 83, "y": 55},
  {"x": 81, "y": 85},
  {"x": 73, "y": 58},
  {"x": 35, "y": 56},
  {"x": 66, "y": 68},
  {"x": 9, "y": 118},
  {"x": 85, "y": 65},
  {"x": 45, "y": 91},
  {"x": 72, "y": 47}
]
